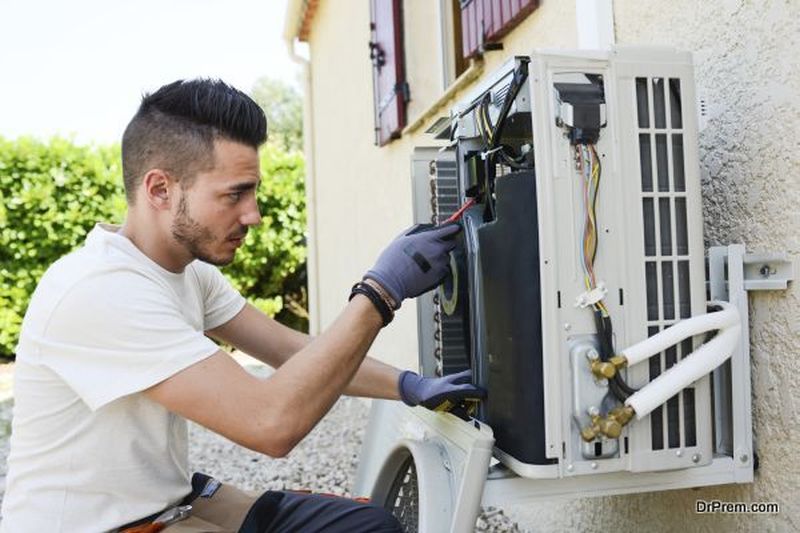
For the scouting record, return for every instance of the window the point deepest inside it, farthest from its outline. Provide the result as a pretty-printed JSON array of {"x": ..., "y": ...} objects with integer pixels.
[
  {"x": 487, "y": 21},
  {"x": 390, "y": 90},
  {"x": 453, "y": 61}
]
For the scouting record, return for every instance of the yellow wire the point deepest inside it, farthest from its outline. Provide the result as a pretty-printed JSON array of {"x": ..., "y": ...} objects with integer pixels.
[{"x": 590, "y": 187}]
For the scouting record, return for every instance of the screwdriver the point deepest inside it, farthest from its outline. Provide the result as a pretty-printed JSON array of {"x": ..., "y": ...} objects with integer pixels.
[
  {"x": 170, "y": 516},
  {"x": 455, "y": 216}
]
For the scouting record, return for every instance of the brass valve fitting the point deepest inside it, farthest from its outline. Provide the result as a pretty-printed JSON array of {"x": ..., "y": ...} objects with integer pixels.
[
  {"x": 609, "y": 426},
  {"x": 608, "y": 369},
  {"x": 622, "y": 414},
  {"x": 590, "y": 432},
  {"x": 603, "y": 369}
]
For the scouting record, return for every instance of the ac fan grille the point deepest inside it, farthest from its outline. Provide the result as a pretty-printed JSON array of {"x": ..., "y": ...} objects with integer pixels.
[
  {"x": 452, "y": 353},
  {"x": 666, "y": 248}
]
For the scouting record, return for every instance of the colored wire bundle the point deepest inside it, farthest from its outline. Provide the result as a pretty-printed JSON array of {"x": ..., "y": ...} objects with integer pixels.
[
  {"x": 490, "y": 136},
  {"x": 590, "y": 169},
  {"x": 589, "y": 166}
]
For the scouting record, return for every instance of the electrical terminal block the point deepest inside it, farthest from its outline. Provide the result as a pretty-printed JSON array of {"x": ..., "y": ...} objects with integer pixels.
[{"x": 591, "y": 297}]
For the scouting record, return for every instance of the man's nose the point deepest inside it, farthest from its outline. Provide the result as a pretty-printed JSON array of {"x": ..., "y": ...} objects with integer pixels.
[{"x": 251, "y": 217}]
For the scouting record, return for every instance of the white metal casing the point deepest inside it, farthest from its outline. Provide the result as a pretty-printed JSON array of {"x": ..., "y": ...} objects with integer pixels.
[{"x": 620, "y": 261}]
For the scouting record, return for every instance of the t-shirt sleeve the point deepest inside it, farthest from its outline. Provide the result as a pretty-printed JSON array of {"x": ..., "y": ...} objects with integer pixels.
[
  {"x": 115, "y": 334},
  {"x": 220, "y": 300}
]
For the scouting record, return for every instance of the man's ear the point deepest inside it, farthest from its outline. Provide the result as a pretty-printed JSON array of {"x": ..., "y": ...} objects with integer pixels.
[{"x": 158, "y": 188}]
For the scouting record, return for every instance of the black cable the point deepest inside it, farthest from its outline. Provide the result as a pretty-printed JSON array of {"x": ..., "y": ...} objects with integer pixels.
[
  {"x": 514, "y": 162},
  {"x": 617, "y": 384},
  {"x": 520, "y": 75},
  {"x": 594, "y": 200},
  {"x": 488, "y": 190},
  {"x": 620, "y": 382},
  {"x": 617, "y": 391}
]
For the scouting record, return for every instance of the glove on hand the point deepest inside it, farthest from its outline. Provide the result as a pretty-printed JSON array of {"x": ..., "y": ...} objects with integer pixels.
[
  {"x": 438, "y": 394},
  {"x": 416, "y": 261}
]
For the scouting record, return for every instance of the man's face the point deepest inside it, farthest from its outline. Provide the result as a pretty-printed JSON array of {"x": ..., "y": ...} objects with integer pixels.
[{"x": 213, "y": 214}]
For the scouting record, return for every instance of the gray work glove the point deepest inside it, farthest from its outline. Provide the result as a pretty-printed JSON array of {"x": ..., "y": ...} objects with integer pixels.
[
  {"x": 439, "y": 394},
  {"x": 416, "y": 261}
]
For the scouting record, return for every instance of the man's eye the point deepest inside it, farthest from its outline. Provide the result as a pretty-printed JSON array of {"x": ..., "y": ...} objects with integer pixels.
[{"x": 235, "y": 196}]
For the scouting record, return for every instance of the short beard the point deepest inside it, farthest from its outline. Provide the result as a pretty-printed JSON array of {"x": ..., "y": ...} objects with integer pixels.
[{"x": 194, "y": 236}]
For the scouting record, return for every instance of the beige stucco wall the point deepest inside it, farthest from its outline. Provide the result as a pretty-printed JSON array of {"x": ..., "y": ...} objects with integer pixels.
[
  {"x": 747, "y": 67},
  {"x": 363, "y": 193}
]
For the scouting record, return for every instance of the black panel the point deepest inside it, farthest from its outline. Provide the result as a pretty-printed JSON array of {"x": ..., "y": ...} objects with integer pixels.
[
  {"x": 673, "y": 405},
  {"x": 657, "y": 414},
  {"x": 675, "y": 103},
  {"x": 662, "y": 165},
  {"x": 659, "y": 108},
  {"x": 509, "y": 254},
  {"x": 677, "y": 163},
  {"x": 642, "y": 103},
  {"x": 646, "y": 162}
]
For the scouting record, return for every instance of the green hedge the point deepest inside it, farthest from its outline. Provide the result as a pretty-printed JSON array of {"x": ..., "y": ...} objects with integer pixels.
[
  {"x": 52, "y": 193},
  {"x": 270, "y": 268}
]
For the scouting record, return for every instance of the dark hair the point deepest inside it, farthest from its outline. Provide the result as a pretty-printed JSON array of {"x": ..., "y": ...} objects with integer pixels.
[{"x": 175, "y": 128}]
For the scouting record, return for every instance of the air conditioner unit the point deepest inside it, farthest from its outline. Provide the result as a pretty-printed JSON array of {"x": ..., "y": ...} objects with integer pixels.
[{"x": 582, "y": 245}]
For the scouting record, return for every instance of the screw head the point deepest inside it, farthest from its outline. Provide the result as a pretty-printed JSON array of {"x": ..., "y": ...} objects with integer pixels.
[
  {"x": 594, "y": 466},
  {"x": 696, "y": 458},
  {"x": 592, "y": 354},
  {"x": 567, "y": 326},
  {"x": 744, "y": 458},
  {"x": 593, "y": 410},
  {"x": 570, "y": 468},
  {"x": 679, "y": 453}
]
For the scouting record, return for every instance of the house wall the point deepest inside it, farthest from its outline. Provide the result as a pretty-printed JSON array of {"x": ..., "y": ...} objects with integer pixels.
[
  {"x": 748, "y": 69},
  {"x": 363, "y": 192}
]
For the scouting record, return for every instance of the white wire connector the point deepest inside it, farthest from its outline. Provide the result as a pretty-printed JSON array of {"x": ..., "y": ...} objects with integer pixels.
[
  {"x": 591, "y": 297},
  {"x": 487, "y": 153}
]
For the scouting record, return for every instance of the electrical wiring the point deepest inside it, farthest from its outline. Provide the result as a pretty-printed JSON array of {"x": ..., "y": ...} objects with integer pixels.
[
  {"x": 589, "y": 167},
  {"x": 490, "y": 132},
  {"x": 493, "y": 150}
]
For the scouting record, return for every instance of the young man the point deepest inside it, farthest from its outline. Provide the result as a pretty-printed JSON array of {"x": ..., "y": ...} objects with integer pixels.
[{"x": 113, "y": 354}]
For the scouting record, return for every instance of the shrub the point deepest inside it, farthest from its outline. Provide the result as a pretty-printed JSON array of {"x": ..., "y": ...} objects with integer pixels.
[
  {"x": 52, "y": 194},
  {"x": 271, "y": 266}
]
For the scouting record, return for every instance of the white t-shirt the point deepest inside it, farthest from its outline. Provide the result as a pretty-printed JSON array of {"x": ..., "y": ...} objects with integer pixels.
[{"x": 89, "y": 452}]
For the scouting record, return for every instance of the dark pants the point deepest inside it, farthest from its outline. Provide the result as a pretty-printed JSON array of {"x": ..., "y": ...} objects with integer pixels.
[
  {"x": 218, "y": 507},
  {"x": 279, "y": 512}
]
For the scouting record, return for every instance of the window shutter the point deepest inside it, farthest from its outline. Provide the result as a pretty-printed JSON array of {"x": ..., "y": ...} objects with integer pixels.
[
  {"x": 390, "y": 90},
  {"x": 488, "y": 21}
]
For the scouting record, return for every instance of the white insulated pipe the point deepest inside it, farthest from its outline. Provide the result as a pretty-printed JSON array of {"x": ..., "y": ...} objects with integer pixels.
[
  {"x": 718, "y": 320},
  {"x": 691, "y": 368}
]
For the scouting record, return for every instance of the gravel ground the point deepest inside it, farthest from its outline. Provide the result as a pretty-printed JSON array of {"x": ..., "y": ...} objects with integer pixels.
[{"x": 325, "y": 461}]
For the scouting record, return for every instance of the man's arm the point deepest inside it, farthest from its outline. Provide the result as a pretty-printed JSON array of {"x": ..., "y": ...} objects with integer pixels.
[
  {"x": 258, "y": 335},
  {"x": 271, "y": 416}
]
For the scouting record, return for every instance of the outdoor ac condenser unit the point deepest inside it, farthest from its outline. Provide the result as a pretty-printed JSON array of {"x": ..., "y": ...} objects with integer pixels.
[
  {"x": 586, "y": 238},
  {"x": 578, "y": 298}
]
